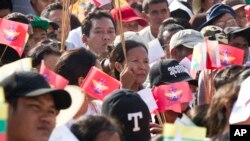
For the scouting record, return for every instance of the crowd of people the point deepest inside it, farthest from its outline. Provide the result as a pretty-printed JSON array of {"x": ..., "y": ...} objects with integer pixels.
[{"x": 120, "y": 40}]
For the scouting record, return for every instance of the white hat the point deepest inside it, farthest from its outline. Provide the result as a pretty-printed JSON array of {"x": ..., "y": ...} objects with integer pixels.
[
  {"x": 188, "y": 38},
  {"x": 77, "y": 98},
  {"x": 129, "y": 35},
  {"x": 241, "y": 108}
]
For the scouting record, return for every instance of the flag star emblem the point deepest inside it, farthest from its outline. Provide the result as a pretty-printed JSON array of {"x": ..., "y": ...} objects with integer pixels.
[
  {"x": 173, "y": 94},
  {"x": 10, "y": 34},
  {"x": 99, "y": 86},
  {"x": 226, "y": 58}
]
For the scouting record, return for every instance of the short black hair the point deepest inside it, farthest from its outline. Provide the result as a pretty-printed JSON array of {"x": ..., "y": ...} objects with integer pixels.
[
  {"x": 17, "y": 17},
  {"x": 6, "y": 4},
  {"x": 87, "y": 23},
  {"x": 168, "y": 27},
  {"x": 88, "y": 127},
  {"x": 146, "y": 3},
  {"x": 39, "y": 52},
  {"x": 51, "y": 7}
]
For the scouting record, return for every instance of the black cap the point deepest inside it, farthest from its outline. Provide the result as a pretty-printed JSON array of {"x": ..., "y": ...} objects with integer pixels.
[
  {"x": 126, "y": 105},
  {"x": 167, "y": 71},
  {"x": 29, "y": 84}
]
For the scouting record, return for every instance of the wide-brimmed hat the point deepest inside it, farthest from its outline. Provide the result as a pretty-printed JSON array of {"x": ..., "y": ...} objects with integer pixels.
[
  {"x": 77, "y": 98},
  {"x": 237, "y": 31},
  {"x": 235, "y": 4},
  {"x": 215, "y": 11}
]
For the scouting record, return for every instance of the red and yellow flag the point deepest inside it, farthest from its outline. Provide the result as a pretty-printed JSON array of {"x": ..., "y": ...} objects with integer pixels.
[
  {"x": 54, "y": 79},
  {"x": 230, "y": 55},
  {"x": 99, "y": 84},
  {"x": 13, "y": 34},
  {"x": 169, "y": 97}
]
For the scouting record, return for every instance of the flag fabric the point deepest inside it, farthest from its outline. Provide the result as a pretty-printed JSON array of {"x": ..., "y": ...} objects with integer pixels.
[
  {"x": 213, "y": 56},
  {"x": 169, "y": 97},
  {"x": 155, "y": 51},
  {"x": 241, "y": 107},
  {"x": 55, "y": 80},
  {"x": 148, "y": 98},
  {"x": 99, "y": 84},
  {"x": 183, "y": 133},
  {"x": 3, "y": 116},
  {"x": 230, "y": 55},
  {"x": 198, "y": 59},
  {"x": 100, "y": 3},
  {"x": 24, "y": 64},
  {"x": 13, "y": 34},
  {"x": 186, "y": 63}
]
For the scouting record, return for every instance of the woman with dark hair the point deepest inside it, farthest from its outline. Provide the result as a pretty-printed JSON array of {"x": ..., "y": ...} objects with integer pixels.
[
  {"x": 74, "y": 65},
  {"x": 132, "y": 71},
  {"x": 44, "y": 51}
]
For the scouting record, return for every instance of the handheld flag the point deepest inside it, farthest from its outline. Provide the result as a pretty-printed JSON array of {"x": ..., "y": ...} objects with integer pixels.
[
  {"x": 147, "y": 97},
  {"x": 100, "y": 3},
  {"x": 19, "y": 65},
  {"x": 230, "y": 55},
  {"x": 3, "y": 116},
  {"x": 13, "y": 34},
  {"x": 198, "y": 59},
  {"x": 54, "y": 79},
  {"x": 168, "y": 97},
  {"x": 183, "y": 133},
  {"x": 213, "y": 57},
  {"x": 99, "y": 84}
]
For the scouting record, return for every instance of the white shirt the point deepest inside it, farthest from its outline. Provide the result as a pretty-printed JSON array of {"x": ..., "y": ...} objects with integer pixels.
[
  {"x": 75, "y": 37},
  {"x": 146, "y": 34}
]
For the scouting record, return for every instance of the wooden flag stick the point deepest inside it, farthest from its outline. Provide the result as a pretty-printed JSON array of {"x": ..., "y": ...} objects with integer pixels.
[
  {"x": 159, "y": 118},
  {"x": 212, "y": 90},
  {"x": 5, "y": 48},
  {"x": 163, "y": 117},
  {"x": 65, "y": 22},
  {"x": 121, "y": 30}
]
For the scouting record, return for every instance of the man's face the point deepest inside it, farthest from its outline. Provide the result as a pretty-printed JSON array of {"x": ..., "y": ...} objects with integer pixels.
[
  {"x": 56, "y": 16},
  {"x": 33, "y": 119},
  {"x": 102, "y": 34},
  {"x": 241, "y": 17},
  {"x": 157, "y": 13},
  {"x": 166, "y": 39},
  {"x": 227, "y": 20}
]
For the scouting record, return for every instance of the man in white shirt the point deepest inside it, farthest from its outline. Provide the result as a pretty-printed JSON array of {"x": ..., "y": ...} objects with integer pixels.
[{"x": 155, "y": 11}]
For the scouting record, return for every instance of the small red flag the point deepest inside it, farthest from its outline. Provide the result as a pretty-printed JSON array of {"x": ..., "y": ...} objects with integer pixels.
[
  {"x": 169, "y": 97},
  {"x": 99, "y": 84},
  {"x": 230, "y": 55},
  {"x": 100, "y": 3},
  {"x": 213, "y": 56},
  {"x": 54, "y": 79},
  {"x": 13, "y": 34}
]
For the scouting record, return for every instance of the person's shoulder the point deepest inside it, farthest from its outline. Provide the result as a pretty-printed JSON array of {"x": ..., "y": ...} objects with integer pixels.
[{"x": 144, "y": 31}]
